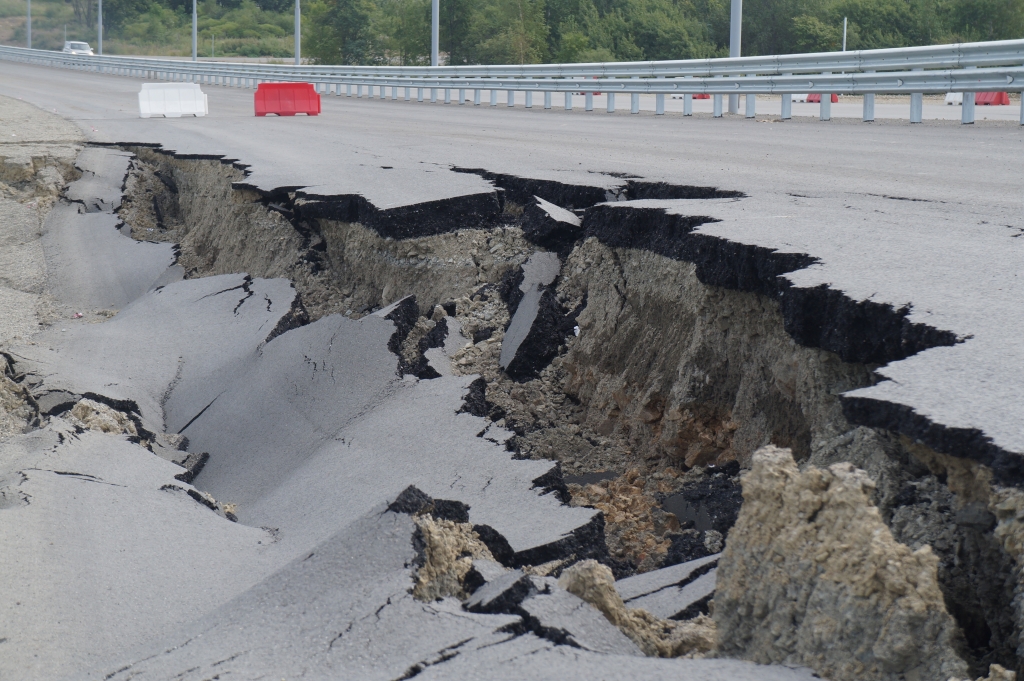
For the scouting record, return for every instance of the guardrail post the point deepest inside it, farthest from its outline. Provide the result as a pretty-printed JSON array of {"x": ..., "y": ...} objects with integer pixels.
[
  {"x": 462, "y": 96},
  {"x": 419, "y": 94},
  {"x": 511, "y": 97},
  {"x": 751, "y": 106},
  {"x": 408, "y": 93},
  {"x": 433, "y": 95},
  {"x": 717, "y": 106},
  {"x": 494, "y": 98},
  {"x": 916, "y": 104},
  {"x": 659, "y": 105},
  {"x": 348, "y": 89},
  {"x": 1022, "y": 107},
  {"x": 967, "y": 114},
  {"x": 611, "y": 102},
  {"x": 359, "y": 91},
  {"x": 447, "y": 95},
  {"x": 588, "y": 101},
  {"x": 634, "y": 102},
  {"x": 916, "y": 107},
  {"x": 826, "y": 106},
  {"x": 476, "y": 97},
  {"x": 547, "y": 100},
  {"x": 869, "y": 108},
  {"x": 787, "y": 106},
  {"x": 394, "y": 93},
  {"x": 568, "y": 101},
  {"x": 687, "y": 104},
  {"x": 529, "y": 99}
]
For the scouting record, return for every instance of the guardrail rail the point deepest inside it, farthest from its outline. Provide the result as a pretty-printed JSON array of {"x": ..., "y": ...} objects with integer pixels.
[{"x": 961, "y": 67}]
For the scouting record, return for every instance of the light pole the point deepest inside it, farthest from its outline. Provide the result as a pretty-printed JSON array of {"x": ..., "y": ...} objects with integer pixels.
[
  {"x": 195, "y": 35},
  {"x": 735, "y": 34},
  {"x": 99, "y": 27},
  {"x": 29, "y": 29},
  {"x": 298, "y": 34},
  {"x": 435, "y": 20}
]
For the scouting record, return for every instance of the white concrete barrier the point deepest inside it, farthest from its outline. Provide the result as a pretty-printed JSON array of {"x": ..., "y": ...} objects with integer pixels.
[
  {"x": 172, "y": 100},
  {"x": 800, "y": 97},
  {"x": 954, "y": 98}
]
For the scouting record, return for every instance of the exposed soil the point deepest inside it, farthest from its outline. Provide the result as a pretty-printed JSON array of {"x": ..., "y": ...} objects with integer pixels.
[{"x": 667, "y": 372}]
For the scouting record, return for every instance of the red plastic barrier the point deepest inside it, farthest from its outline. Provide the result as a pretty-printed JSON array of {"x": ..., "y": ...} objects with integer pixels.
[
  {"x": 287, "y": 99},
  {"x": 992, "y": 98},
  {"x": 816, "y": 99},
  {"x": 702, "y": 96}
]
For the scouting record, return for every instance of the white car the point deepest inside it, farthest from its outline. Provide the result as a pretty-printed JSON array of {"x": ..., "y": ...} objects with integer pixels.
[{"x": 73, "y": 47}]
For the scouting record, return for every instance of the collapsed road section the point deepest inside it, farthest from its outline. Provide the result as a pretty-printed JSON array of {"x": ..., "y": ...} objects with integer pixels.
[{"x": 543, "y": 431}]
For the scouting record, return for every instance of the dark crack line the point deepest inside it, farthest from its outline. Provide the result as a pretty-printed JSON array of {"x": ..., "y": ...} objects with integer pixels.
[
  {"x": 340, "y": 634},
  {"x": 697, "y": 573},
  {"x": 443, "y": 656},
  {"x": 249, "y": 293},
  {"x": 193, "y": 419}
]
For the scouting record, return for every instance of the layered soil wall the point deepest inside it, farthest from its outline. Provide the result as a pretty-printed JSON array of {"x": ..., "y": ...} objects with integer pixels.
[{"x": 678, "y": 371}]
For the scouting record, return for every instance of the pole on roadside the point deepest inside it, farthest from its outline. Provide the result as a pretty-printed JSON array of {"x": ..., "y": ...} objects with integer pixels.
[
  {"x": 195, "y": 34},
  {"x": 29, "y": 29},
  {"x": 435, "y": 20},
  {"x": 298, "y": 34},
  {"x": 99, "y": 27},
  {"x": 844, "y": 34},
  {"x": 735, "y": 34}
]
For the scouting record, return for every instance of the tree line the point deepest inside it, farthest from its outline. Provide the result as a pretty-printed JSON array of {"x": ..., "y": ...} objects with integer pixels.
[
  {"x": 536, "y": 31},
  {"x": 532, "y": 31}
]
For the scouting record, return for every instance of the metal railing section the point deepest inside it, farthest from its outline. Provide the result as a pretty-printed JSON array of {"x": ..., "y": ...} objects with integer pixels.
[{"x": 963, "y": 67}]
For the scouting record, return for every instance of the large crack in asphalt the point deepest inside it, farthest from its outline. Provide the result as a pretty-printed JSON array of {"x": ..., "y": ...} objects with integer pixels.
[{"x": 440, "y": 286}]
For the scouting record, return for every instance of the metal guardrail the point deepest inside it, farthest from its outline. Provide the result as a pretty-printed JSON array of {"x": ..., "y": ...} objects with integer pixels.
[{"x": 963, "y": 67}]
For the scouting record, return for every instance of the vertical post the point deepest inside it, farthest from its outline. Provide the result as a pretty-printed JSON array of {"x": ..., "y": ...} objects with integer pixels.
[
  {"x": 433, "y": 95},
  {"x": 99, "y": 26},
  {"x": 394, "y": 93},
  {"x": 844, "y": 34},
  {"x": 298, "y": 34},
  {"x": 688, "y": 104},
  {"x": 462, "y": 96},
  {"x": 447, "y": 95},
  {"x": 916, "y": 107},
  {"x": 419, "y": 94},
  {"x": 787, "y": 106},
  {"x": 494, "y": 98},
  {"x": 869, "y": 106},
  {"x": 634, "y": 102},
  {"x": 29, "y": 27},
  {"x": 735, "y": 35},
  {"x": 588, "y": 101},
  {"x": 408, "y": 94},
  {"x": 547, "y": 99},
  {"x": 476, "y": 97},
  {"x": 1022, "y": 108},
  {"x": 751, "y": 105},
  {"x": 826, "y": 106},
  {"x": 529, "y": 99},
  {"x": 568, "y": 101},
  {"x": 717, "y": 106},
  {"x": 967, "y": 114},
  {"x": 511, "y": 94},
  {"x": 195, "y": 22},
  {"x": 348, "y": 89},
  {"x": 659, "y": 105},
  {"x": 611, "y": 102},
  {"x": 435, "y": 20}
]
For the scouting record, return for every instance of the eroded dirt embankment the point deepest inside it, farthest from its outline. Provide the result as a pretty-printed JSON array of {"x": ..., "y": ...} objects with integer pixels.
[{"x": 677, "y": 370}]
